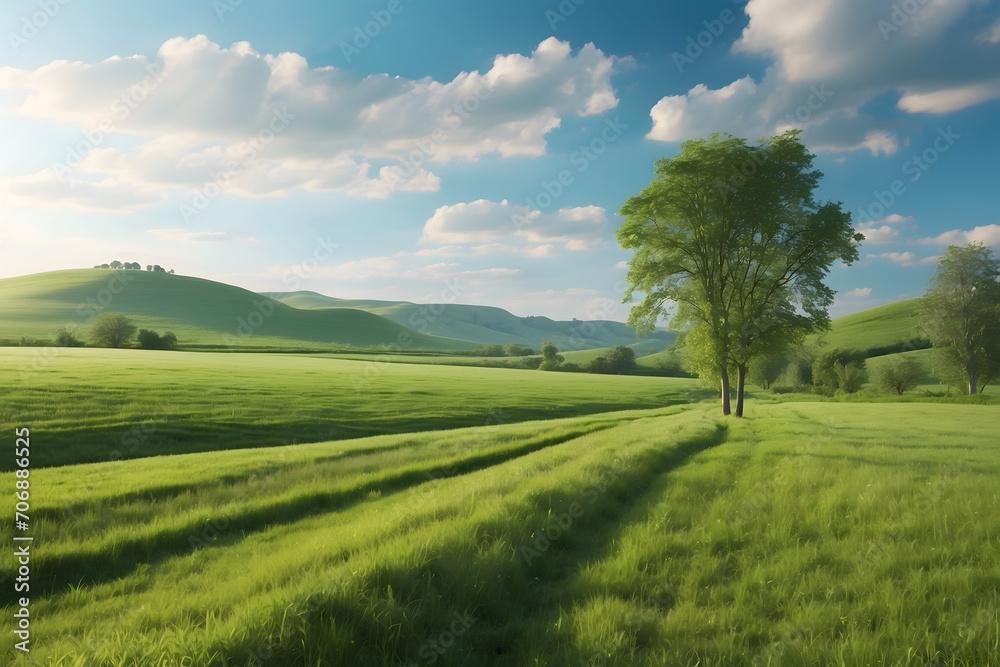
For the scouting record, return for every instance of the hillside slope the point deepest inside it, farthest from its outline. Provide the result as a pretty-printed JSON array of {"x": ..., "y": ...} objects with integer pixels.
[
  {"x": 880, "y": 326},
  {"x": 198, "y": 311},
  {"x": 483, "y": 324}
]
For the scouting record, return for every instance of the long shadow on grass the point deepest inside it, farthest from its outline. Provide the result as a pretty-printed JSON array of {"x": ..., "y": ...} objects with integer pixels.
[
  {"x": 55, "y": 574},
  {"x": 469, "y": 603},
  {"x": 169, "y": 491},
  {"x": 95, "y": 444}
]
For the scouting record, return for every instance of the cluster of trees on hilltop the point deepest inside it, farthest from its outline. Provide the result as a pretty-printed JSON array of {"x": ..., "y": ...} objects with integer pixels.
[{"x": 133, "y": 266}]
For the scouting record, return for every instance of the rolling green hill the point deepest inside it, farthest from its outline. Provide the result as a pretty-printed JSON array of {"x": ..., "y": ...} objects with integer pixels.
[
  {"x": 486, "y": 324},
  {"x": 882, "y": 325},
  {"x": 198, "y": 311}
]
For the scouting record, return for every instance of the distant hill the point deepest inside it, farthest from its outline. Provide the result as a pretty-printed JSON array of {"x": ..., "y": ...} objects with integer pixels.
[
  {"x": 198, "y": 311},
  {"x": 880, "y": 326},
  {"x": 486, "y": 324}
]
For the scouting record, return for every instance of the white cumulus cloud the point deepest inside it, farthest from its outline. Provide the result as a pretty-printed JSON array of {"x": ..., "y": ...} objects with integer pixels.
[
  {"x": 258, "y": 124},
  {"x": 985, "y": 234}
]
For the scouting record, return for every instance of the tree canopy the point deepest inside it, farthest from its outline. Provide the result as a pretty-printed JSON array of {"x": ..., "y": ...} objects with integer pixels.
[
  {"x": 112, "y": 330},
  {"x": 961, "y": 315},
  {"x": 729, "y": 239}
]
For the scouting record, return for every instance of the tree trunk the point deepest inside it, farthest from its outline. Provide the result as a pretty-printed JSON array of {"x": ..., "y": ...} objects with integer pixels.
[
  {"x": 725, "y": 390},
  {"x": 741, "y": 377},
  {"x": 972, "y": 383}
]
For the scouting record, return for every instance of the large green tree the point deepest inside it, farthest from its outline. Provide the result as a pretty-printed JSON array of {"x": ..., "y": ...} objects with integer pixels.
[
  {"x": 961, "y": 315},
  {"x": 729, "y": 237}
]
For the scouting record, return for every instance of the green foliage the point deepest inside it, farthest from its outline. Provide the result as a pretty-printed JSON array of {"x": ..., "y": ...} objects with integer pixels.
[
  {"x": 616, "y": 361},
  {"x": 961, "y": 315},
  {"x": 850, "y": 377},
  {"x": 765, "y": 370},
  {"x": 150, "y": 340},
  {"x": 112, "y": 330},
  {"x": 896, "y": 374},
  {"x": 488, "y": 350},
  {"x": 550, "y": 357},
  {"x": 65, "y": 339},
  {"x": 731, "y": 233},
  {"x": 517, "y": 350},
  {"x": 823, "y": 368}
]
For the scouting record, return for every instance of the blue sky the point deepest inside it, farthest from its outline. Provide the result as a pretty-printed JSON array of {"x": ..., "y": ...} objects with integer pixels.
[{"x": 419, "y": 149}]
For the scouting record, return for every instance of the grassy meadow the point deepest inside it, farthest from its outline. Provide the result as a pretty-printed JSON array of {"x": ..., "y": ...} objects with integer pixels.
[
  {"x": 95, "y": 405},
  {"x": 362, "y": 506},
  {"x": 807, "y": 534}
]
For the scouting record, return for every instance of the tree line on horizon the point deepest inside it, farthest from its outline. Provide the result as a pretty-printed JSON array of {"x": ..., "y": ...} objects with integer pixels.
[{"x": 133, "y": 266}]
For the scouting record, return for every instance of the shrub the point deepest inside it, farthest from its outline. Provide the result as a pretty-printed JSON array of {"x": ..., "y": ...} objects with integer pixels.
[
  {"x": 65, "y": 339},
  {"x": 517, "y": 350},
  {"x": 150, "y": 340},
  {"x": 112, "y": 330},
  {"x": 616, "y": 361},
  {"x": 489, "y": 350},
  {"x": 850, "y": 377},
  {"x": 550, "y": 357},
  {"x": 764, "y": 371},
  {"x": 896, "y": 374}
]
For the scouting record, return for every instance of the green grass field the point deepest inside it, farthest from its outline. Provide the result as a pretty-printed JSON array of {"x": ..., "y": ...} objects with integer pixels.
[
  {"x": 96, "y": 405},
  {"x": 808, "y": 534},
  {"x": 344, "y": 508}
]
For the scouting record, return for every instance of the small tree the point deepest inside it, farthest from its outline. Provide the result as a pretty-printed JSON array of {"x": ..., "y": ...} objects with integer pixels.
[
  {"x": 824, "y": 372},
  {"x": 765, "y": 371},
  {"x": 112, "y": 330},
  {"x": 961, "y": 314},
  {"x": 896, "y": 373},
  {"x": 850, "y": 377},
  {"x": 550, "y": 357},
  {"x": 517, "y": 350}
]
